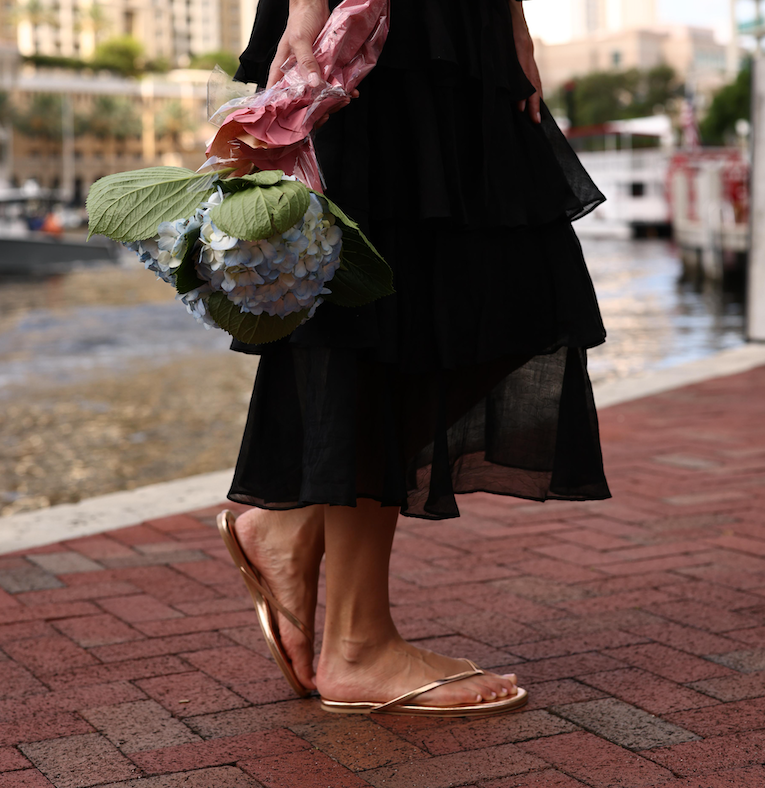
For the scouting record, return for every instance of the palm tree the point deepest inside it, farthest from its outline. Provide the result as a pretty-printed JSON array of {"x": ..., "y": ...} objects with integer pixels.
[
  {"x": 41, "y": 118},
  {"x": 173, "y": 120},
  {"x": 113, "y": 117},
  {"x": 38, "y": 15},
  {"x": 93, "y": 19}
]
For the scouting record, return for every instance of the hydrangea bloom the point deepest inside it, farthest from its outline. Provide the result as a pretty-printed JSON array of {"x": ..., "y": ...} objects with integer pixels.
[{"x": 280, "y": 275}]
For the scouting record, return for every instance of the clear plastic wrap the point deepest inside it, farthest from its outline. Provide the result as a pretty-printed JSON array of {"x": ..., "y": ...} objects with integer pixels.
[{"x": 271, "y": 129}]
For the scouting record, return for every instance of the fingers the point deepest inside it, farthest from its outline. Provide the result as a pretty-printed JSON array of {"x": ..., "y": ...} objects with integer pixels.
[
  {"x": 275, "y": 73},
  {"x": 324, "y": 118},
  {"x": 304, "y": 53},
  {"x": 535, "y": 108}
]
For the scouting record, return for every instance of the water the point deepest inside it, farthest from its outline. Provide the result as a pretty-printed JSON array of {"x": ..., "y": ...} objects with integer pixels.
[
  {"x": 101, "y": 321},
  {"x": 94, "y": 321},
  {"x": 654, "y": 319},
  {"x": 62, "y": 346}
]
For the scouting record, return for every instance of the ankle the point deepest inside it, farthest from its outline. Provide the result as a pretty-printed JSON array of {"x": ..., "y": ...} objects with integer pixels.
[{"x": 353, "y": 652}]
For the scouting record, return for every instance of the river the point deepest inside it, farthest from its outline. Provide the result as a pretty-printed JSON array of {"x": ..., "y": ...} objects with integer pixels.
[{"x": 106, "y": 384}]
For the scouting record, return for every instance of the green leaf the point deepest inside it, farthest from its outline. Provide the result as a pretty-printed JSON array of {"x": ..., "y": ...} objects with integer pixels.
[
  {"x": 264, "y": 178},
  {"x": 262, "y": 211},
  {"x": 364, "y": 276},
  {"x": 129, "y": 206},
  {"x": 252, "y": 329},
  {"x": 186, "y": 277}
]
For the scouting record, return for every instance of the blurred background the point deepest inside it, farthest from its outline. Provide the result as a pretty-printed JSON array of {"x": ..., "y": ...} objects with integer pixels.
[{"x": 106, "y": 383}]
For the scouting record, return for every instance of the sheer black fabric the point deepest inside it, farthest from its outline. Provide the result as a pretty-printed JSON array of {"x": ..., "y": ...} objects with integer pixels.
[{"x": 473, "y": 375}]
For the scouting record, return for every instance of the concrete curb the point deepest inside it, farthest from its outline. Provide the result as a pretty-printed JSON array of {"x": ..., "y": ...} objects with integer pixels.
[
  {"x": 727, "y": 362},
  {"x": 116, "y": 510}
]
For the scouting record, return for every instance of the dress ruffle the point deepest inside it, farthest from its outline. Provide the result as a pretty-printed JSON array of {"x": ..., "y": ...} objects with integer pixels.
[{"x": 440, "y": 109}]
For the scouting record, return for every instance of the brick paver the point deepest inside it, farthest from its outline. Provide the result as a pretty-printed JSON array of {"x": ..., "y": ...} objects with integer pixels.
[{"x": 132, "y": 659}]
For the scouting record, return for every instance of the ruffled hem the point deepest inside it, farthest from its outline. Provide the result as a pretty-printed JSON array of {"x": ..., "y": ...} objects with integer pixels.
[{"x": 339, "y": 428}]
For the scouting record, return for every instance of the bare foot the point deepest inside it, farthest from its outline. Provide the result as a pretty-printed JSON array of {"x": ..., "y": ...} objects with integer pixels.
[
  {"x": 286, "y": 547},
  {"x": 379, "y": 673}
]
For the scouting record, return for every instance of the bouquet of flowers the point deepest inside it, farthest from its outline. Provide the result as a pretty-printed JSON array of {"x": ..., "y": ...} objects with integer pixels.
[{"x": 256, "y": 252}]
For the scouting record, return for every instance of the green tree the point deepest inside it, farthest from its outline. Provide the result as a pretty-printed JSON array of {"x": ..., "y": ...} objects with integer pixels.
[
  {"x": 112, "y": 117},
  {"x": 656, "y": 88},
  {"x": 158, "y": 64},
  {"x": 228, "y": 62},
  {"x": 122, "y": 54},
  {"x": 604, "y": 96},
  {"x": 172, "y": 120},
  {"x": 6, "y": 108},
  {"x": 41, "y": 118},
  {"x": 731, "y": 103}
]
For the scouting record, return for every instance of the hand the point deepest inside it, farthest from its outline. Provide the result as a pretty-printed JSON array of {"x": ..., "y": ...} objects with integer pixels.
[
  {"x": 305, "y": 22},
  {"x": 324, "y": 118},
  {"x": 524, "y": 46}
]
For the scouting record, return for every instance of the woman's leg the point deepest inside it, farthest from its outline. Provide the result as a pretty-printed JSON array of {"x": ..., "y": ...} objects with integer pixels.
[
  {"x": 287, "y": 547},
  {"x": 363, "y": 658}
]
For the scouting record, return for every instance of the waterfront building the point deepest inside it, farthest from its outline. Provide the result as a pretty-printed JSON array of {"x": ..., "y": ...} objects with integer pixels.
[
  {"x": 693, "y": 52},
  {"x": 164, "y": 122}
]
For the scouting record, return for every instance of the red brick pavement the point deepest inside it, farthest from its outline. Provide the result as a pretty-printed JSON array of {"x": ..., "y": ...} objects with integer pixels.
[{"x": 132, "y": 659}]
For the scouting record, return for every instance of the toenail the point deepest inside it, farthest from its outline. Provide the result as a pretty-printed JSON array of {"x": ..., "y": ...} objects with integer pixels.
[
  {"x": 503, "y": 691},
  {"x": 478, "y": 698}
]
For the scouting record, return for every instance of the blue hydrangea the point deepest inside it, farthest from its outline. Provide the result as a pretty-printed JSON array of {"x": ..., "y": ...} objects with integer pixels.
[{"x": 280, "y": 275}]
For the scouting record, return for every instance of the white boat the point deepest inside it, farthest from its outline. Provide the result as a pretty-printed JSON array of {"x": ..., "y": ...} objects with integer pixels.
[{"x": 628, "y": 160}]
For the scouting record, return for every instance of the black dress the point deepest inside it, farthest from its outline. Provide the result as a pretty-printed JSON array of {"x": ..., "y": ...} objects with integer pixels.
[{"x": 472, "y": 377}]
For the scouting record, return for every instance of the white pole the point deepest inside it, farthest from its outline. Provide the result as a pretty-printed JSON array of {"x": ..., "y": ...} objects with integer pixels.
[
  {"x": 66, "y": 192},
  {"x": 732, "y": 55},
  {"x": 755, "y": 291}
]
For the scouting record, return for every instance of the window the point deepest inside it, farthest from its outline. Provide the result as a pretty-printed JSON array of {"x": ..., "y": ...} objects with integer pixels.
[
  {"x": 637, "y": 189},
  {"x": 616, "y": 58}
]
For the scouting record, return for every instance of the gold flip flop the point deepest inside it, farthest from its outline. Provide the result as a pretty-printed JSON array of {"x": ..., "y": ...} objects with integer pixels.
[
  {"x": 265, "y": 603},
  {"x": 401, "y": 705}
]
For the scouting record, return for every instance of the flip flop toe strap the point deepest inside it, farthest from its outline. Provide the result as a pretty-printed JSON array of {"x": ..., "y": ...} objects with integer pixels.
[{"x": 407, "y": 696}]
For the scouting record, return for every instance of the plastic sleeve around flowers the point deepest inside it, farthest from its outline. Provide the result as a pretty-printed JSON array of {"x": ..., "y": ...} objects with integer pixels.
[{"x": 270, "y": 129}]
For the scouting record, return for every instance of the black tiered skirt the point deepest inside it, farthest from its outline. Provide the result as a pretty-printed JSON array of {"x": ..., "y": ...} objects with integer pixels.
[{"x": 472, "y": 377}]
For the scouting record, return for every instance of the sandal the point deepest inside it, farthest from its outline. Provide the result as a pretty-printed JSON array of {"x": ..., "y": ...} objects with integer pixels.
[
  {"x": 265, "y": 603},
  {"x": 401, "y": 705}
]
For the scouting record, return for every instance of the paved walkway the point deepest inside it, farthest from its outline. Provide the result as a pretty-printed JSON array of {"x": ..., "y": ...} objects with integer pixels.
[{"x": 132, "y": 658}]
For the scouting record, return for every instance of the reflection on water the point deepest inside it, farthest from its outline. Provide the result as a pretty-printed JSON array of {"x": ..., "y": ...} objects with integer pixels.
[
  {"x": 62, "y": 346},
  {"x": 653, "y": 319},
  {"x": 101, "y": 320},
  {"x": 97, "y": 320}
]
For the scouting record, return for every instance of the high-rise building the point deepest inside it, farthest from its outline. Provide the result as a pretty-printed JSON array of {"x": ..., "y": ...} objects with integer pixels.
[
  {"x": 175, "y": 30},
  {"x": 591, "y": 17}
]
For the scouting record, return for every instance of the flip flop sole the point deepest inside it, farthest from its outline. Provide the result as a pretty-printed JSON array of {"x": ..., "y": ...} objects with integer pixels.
[{"x": 262, "y": 608}]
